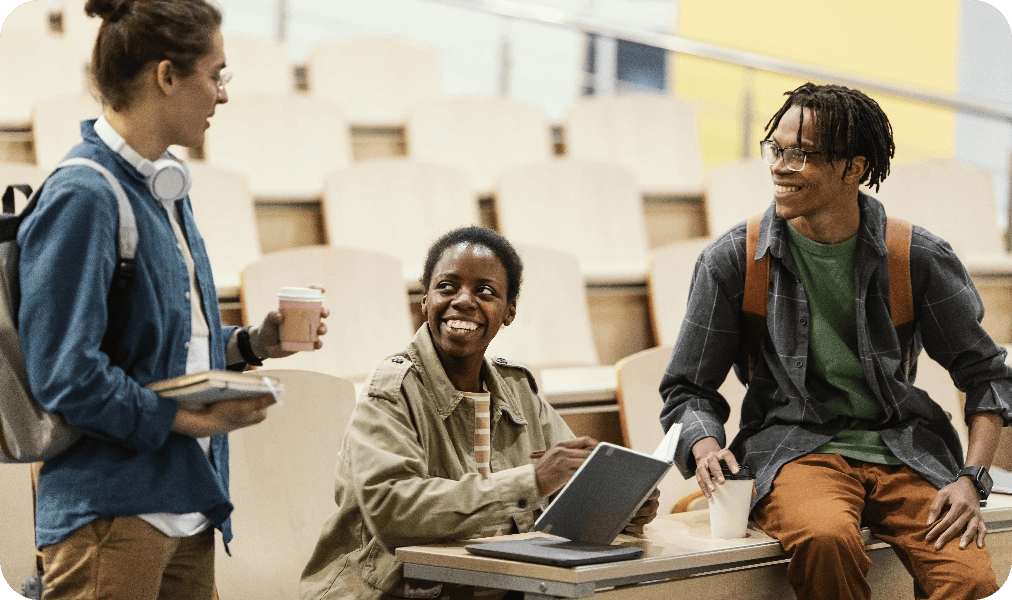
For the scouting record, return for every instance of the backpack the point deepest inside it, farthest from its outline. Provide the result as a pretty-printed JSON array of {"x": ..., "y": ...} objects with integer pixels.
[
  {"x": 28, "y": 433},
  {"x": 901, "y": 298}
]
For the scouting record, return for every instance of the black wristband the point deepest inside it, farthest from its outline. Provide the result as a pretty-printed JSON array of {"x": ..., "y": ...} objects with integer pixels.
[{"x": 246, "y": 349}]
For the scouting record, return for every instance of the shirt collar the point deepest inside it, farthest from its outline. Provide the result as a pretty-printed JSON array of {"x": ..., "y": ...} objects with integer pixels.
[{"x": 871, "y": 231}]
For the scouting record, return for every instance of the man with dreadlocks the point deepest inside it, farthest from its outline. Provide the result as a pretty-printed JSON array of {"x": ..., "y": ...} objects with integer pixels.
[{"x": 833, "y": 429}]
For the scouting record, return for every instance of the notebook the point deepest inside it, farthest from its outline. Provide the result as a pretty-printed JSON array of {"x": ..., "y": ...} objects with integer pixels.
[{"x": 592, "y": 509}]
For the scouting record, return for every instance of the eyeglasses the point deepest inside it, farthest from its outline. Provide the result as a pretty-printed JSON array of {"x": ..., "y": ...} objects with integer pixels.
[
  {"x": 221, "y": 80},
  {"x": 794, "y": 158}
]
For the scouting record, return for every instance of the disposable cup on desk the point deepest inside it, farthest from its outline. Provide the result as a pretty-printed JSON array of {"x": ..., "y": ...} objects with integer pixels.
[
  {"x": 301, "y": 309},
  {"x": 729, "y": 504}
]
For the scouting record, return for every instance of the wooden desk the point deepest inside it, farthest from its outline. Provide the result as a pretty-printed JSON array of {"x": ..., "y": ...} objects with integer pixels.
[{"x": 680, "y": 560}]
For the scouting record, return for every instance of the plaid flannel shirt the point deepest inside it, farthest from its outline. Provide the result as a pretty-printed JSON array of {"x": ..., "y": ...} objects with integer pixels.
[{"x": 780, "y": 418}]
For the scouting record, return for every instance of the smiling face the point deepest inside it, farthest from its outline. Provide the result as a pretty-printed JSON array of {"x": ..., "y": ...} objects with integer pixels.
[
  {"x": 819, "y": 199},
  {"x": 465, "y": 305}
]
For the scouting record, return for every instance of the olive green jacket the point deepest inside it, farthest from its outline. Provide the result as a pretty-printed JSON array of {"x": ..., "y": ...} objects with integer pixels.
[{"x": 406, "y": 473}]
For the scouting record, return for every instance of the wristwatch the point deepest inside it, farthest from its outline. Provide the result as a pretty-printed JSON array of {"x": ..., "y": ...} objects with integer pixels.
[{"x": 981, "y": 480}]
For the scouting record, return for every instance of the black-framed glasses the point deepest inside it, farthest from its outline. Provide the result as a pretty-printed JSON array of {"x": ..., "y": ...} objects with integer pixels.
[{"x": 794, "y": 158}]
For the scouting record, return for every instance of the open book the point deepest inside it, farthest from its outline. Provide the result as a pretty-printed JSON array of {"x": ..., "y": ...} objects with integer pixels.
[{"x": 197, "y": 390}]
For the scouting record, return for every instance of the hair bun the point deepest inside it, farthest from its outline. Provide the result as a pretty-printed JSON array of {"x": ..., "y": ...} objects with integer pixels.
[{"x": 107, "y": 10}]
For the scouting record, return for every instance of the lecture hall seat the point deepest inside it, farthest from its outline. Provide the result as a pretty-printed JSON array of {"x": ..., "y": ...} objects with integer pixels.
[
  {"x": 286, "y": 144},
  {"x": 258, "y": 66},
  {"x": 552, "y": 327},
  {"x": 483, "y": 135},
  {"x": 282, "y": 485},
  {"x": 398, "y": 206},
  {"x": 33, "y": 68},
  {"x": 669, "y": 278},
  {"x": 224, "y": 212},
  {"x": 657, "y": 138},
  {"x": 56, "y": 125},
  {"x": 587, "y": 208},
  {"x": 365, "y": 293},
  {"x": 736, "y": 191},
  {"x": 376, "y": 79}
]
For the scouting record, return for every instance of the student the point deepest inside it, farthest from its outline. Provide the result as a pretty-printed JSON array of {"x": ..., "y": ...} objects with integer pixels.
[
  {"x": 442, "y": 443},
  {"x": 837, "y": 435},
  {"x": 129, "y": 511}
]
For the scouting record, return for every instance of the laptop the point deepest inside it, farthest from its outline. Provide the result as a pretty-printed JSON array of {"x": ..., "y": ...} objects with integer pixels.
[{"x": 591, "y": 510}]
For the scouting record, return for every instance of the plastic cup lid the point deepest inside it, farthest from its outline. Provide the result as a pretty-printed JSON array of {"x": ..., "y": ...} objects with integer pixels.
[
  {"x": 300, "y": 293},
  {"x": 743, "y": 472}
]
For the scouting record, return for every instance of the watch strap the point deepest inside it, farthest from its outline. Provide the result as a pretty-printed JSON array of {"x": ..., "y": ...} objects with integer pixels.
[{"x": 246, "y": 349}]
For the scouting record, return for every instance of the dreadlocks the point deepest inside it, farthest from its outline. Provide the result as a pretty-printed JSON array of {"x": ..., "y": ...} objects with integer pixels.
[{"x": 848, "y": 123}]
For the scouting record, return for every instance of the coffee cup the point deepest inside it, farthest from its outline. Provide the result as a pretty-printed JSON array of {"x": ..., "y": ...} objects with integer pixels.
[
  {"x": 301, "y": 308},
  {"x": 730, "y": 502}
]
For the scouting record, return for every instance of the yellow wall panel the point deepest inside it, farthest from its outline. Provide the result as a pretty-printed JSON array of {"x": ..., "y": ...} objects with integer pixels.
[{"x": 906, "y": 42}]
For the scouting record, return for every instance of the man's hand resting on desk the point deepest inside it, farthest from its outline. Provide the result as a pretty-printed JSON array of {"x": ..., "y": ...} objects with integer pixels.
[{"x": 556, "y": 466}]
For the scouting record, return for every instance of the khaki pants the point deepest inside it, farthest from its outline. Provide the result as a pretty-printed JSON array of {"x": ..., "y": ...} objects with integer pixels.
[
  {"x": 817, "y": 507},
  {"x": 124, "y": 558}
]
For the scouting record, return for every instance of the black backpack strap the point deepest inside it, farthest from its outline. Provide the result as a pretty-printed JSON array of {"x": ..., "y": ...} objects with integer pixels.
[{"x": 8, "y": 198}]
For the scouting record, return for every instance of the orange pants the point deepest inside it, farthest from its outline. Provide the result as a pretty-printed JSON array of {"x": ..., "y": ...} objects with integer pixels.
[
  {"x": 816, "y": 510},
  {"x": 126, "y": 559}
]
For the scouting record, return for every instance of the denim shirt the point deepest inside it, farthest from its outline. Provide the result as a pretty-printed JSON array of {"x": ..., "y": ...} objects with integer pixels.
[
  {"x": 781, "y": 419},
  {"x": 128, "y": 461}
]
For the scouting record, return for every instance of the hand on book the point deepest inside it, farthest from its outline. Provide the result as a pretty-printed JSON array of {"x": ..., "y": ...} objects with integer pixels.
[
  {"x": 222, "y": 417},
  {"x": 558, "y": 464},
  {"x": 645, "y": 514}
]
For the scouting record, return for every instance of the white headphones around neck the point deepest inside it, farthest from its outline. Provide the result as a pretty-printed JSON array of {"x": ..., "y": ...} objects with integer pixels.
[{"x": 168, "y": 179}]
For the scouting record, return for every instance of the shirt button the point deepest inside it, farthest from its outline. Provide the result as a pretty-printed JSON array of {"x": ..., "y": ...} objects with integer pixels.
[
  {"x": 187, "y": 295},
  {"x": 804, "y": 321},
  {"x": 186, "y": 345},
  {"x": 397, "y": 359},
  {"x": 522, "y": 503},
  {"x": 501, "y": 361},
  {"x": 798, "y": 364}
]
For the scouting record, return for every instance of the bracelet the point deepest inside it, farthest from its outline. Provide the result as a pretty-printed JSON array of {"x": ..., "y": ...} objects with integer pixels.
[{"x": 246, "y": 349}]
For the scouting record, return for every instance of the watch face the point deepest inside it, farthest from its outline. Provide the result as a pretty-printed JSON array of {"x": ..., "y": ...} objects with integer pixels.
[{"x": 985, "y": 480}]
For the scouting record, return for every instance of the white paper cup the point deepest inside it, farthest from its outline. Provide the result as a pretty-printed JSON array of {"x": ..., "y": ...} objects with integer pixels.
[
  {"x": 729, "y": 504},
  {"x": 301, "y": 308}
]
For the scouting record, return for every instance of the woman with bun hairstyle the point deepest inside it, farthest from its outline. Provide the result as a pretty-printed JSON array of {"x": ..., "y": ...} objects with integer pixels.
[{"x": 129, "y": 511}]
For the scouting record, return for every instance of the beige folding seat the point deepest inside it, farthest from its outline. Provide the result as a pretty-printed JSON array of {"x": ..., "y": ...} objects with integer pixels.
[
  {"x": 17, "y": 524},
  {"x": 640, "y": 403},
  {"x": 735, "y": 192},
  {"x": 286, "y": 144},
  {"x": 224, "y": 212},
  {"x": 657, "y": 138},
  {"x": 282, "y": 485},
  {"x": 482, "y": 135},
  {"x": 552, "y": 326},
  {"x": 376, "y": 79},
  {"x": 589, "y": 209},
  {"x": 258, "y": 66},
  {"x": 79, "y": 29},
  {"x": 33, "y": 68},
  {"x": 365, "y": 293},
  {"x": 56, "y": 125},
  {"x": 32, "y": 17},
  {"x": 398, "y": 206},
  {"x": 671, "y": 268}
]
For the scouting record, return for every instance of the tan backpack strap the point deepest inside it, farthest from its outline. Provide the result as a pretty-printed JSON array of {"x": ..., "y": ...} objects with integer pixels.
[
  {"x": 756, "y": 294},
  {"x": 899, "y": 233}
]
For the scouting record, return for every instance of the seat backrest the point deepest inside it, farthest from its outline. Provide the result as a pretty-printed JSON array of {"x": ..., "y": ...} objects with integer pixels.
[
  {"x": 736, "y": 191},
  {"x": 282, "y": 485},
  {"x": 640, "y": 403},
  {"x": 669, "y": 278},
  {"x": 31, "y": 17},
  {"x": 952, "y": 200},
  {"x": 286, "y": 144},
  {"x": 79, "y": 29},
  {"x": 552, "y": 327},
  {"x": 398, "y": 206},
  {"x": 590, "y": 209},
  {"x": 17, "y": 523},
  {"x": 17, "y": 173},
  {"x": 376, "y": 79},
  {"x": 224, "y": 212},
  {"x": 33, "y": 68},
  {"x": 56, "y": 125},
  {"x": 657, "y": 138},
  {"x": 258, "y": 65},
  {"x": 482, "y": 135},
  {"x": 365, "y": 293}
]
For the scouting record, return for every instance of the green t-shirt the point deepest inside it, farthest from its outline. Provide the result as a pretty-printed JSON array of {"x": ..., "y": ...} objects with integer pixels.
[{"x": 835, "y": 374}]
